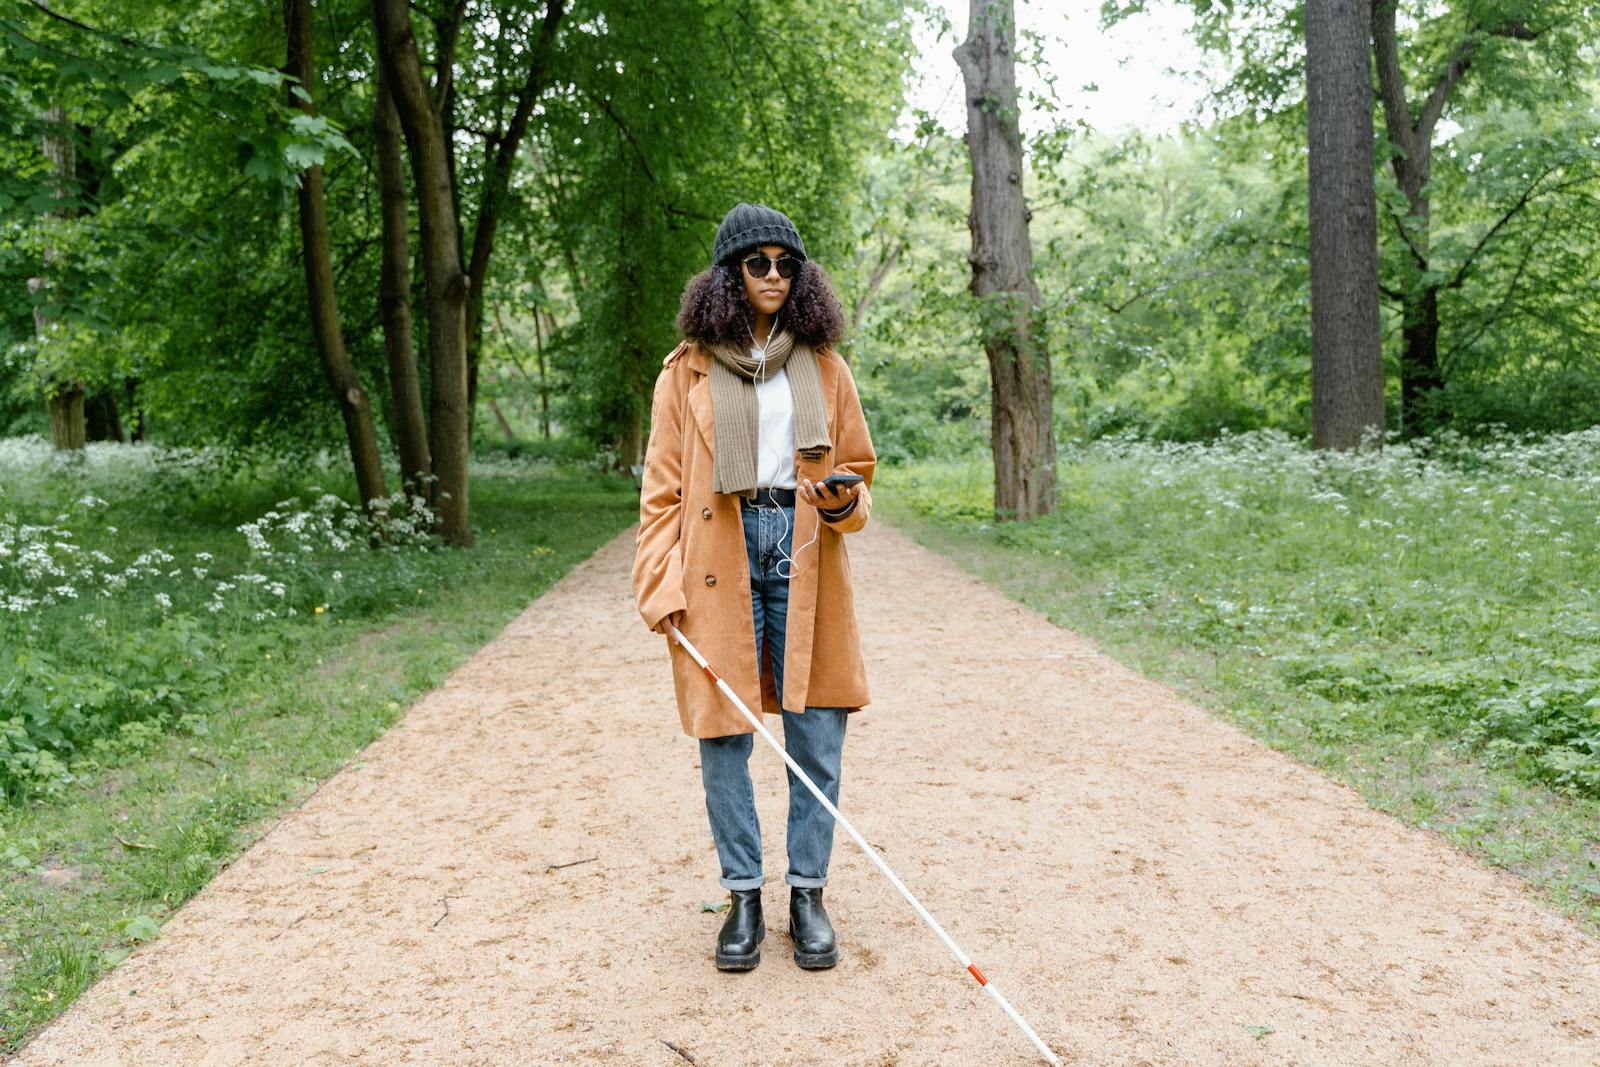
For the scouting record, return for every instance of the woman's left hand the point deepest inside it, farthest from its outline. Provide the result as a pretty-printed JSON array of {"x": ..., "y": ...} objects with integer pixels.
[{"x": 829, "y": 498}]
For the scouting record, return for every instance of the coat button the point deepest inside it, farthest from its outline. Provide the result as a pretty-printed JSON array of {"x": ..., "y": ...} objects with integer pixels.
[
  {"x": 711, "y": 579},
  {"x": 705, "y": 513}
]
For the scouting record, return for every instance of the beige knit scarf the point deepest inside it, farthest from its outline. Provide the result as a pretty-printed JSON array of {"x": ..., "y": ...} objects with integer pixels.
[{"x": 734, "y": 414}]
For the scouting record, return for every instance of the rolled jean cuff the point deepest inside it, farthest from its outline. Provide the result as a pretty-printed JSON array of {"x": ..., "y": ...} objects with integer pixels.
[
  {"x": 802, "y": 882},
  {"x": 743, "y": 883}
]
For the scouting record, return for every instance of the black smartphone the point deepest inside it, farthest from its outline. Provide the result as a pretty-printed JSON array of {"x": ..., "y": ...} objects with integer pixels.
[{"x": 841, "y": 481}]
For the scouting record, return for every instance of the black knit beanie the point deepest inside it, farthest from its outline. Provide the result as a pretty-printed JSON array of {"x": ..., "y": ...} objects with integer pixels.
[{"x": 749, "y": 226}]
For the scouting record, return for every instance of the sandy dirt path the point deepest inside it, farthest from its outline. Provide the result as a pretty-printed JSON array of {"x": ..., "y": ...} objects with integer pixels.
[{"x": 515, "y": 877}]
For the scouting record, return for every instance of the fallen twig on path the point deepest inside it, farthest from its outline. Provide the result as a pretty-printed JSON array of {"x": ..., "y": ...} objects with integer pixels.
[
  {"x": 574, "y": 863},
  {"x": 445, "y": 900},
  {"x": 678, "y": 1050},
  {"x": 285, "y": 929}
]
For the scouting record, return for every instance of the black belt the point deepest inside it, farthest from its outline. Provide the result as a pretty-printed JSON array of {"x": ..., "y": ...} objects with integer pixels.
[{"x": 766, "y": 498}]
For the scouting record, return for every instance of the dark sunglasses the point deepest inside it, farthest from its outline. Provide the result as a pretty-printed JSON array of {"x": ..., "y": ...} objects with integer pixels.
[{"x": 758, "y": 266}]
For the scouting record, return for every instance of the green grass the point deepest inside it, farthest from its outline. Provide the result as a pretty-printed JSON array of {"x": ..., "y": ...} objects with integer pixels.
[
  {"x": 1422, "y": 626},
  {"x": 269, "y": 708}
]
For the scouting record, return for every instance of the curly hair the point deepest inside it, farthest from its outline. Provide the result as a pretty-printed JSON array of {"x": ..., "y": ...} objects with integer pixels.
[{"x": 716, "y": 310}]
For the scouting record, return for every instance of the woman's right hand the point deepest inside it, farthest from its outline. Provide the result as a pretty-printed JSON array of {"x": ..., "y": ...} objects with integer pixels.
[{"x": 675, "y": 618}]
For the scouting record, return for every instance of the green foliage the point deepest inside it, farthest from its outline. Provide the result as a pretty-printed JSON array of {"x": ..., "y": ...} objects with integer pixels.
[
  {"x": 65, "y": 713},
  {"x": 915, "y": 348},
  {"x": 184, "y": 262},
  {"x": 1515, "y": 236},
  {"x": 173, "y": 260},
  {"x": 1549, "y": 729},
  {"x": 651, "y": 138},
  {"x": 1511, "y": 236},
  {"x": 124, "y": 619},
  {"x": 1446, "y": 587},
  {"x": 121, "y": 92},
  {"x": 1172, "y": 308}
]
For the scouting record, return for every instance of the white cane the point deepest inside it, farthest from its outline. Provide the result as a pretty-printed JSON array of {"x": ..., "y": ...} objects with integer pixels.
[{"x": 961, "y": 957}]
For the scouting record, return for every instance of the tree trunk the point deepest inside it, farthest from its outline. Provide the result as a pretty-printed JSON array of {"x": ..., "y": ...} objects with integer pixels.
[
  {"x": 544, "y": 381},
  {"x": 1421, "y": 378},
  {"x": 1346, "y": 339},
  {"x": 630, "y": 450},
  {"x": 446, "y": 277},
  {"x": 633, "y": 233},
  {"x": 500, "y": 417},
  {"x": 64, "y": 409},
  {"x": 1421, "y": 375},
  {"x": 1021, "y": 434},
  {"x": 348, "y": 393},
  {"x": 394, "y": 298}
]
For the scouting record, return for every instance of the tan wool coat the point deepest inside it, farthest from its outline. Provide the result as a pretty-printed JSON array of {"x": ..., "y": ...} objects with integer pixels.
[{"x": 691, "y": 557}]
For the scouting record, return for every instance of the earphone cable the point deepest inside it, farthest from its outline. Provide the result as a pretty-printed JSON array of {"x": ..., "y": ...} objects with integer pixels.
[{"x": 784, "y": 557}]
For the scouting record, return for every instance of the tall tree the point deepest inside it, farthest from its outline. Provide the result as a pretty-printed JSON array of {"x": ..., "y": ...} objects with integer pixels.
[
  {"x": 410, "y": 428},
  {"x": 348, "y": 392},
  {"x": 1520, "y": 55},
  {"x": 1410, "y": 130},
  {"x": 64, "y": 404},
  {"x": 443, "y": 269},
  {"x": 1010, "y": 318},
  {"x": 1346, "y": 344}
]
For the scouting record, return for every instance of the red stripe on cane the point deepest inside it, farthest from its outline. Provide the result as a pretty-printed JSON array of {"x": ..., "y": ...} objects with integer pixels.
[
  {"x": 713, "y": 674},
  {"x": 973, "y": 967}
]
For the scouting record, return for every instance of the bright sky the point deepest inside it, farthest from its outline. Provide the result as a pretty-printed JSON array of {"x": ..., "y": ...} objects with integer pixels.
[{"x": 1130, "y": 64}]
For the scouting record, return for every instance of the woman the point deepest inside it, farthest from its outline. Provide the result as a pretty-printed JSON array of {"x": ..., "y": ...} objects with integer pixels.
[{"x": 750, "y": 413}]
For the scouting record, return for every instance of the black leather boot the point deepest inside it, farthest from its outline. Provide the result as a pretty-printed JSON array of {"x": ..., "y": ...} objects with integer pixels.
[
  {"x": 739, "y": 940},
  {"x": 814, "y": 946}
]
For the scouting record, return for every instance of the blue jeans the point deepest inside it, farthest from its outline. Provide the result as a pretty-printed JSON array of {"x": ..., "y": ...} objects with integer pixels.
[{"x": 814, "y": 740}]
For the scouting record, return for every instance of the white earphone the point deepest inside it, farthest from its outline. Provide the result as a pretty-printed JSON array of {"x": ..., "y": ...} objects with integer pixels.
[{"x": 761, "y": 371}]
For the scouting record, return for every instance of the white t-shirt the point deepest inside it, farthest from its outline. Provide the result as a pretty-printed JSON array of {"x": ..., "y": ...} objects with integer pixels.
[{"x": 775, "y": 432}]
